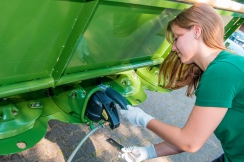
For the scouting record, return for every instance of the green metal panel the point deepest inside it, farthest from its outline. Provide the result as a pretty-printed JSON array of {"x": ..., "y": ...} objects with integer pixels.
[
  {"x": 171, "y": 4},
  {"x": 33, "y": 34},
  {"x": 28, "y": 86},
  {"x": 80, "y": 24},
  {"x": 88, "y": 74},
  {"x": 47, "y": 42},
  {"x": 120, "y": 33},
  {"x": 42, "y": 39}
]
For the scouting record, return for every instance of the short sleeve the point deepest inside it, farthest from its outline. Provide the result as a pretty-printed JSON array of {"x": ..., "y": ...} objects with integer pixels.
[{"x": 218, "y": 85}]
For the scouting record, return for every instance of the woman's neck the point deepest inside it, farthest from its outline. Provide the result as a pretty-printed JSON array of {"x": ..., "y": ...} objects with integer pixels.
[{"x": 206, "y": 56}]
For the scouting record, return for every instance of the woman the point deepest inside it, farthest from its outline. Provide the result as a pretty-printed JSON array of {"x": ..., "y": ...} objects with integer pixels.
[{"x": 198, "y": 60}]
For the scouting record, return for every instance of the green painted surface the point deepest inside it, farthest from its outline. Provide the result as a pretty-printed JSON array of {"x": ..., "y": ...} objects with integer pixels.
[
  {"x": 120, "y": 34},
  {"x": 149, "y": 79},
  {"x": 33, "y": 34},
  {"x": 56, "y": 53},
  {"x": 14, "y": 120},
  {"x": 80, "y": 24},
  {"x": 128, "y": 85}
]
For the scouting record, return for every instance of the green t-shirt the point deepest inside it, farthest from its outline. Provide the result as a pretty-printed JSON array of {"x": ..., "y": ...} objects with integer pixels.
[{"x": 222, "y": 85}]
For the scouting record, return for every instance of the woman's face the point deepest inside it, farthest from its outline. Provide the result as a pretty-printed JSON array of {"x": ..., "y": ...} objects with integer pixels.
[{"x": 184, "y": 44}]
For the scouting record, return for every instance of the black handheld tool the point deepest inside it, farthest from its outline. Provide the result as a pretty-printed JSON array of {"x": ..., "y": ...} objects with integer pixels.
[
  {"x": 115, "y": 144},
  {"x": 117, "y": 97},
  {"x": 100, "y": 106}
]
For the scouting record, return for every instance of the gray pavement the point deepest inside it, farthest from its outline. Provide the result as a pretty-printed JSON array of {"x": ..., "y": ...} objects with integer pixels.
[{"x": 61, "y": 139}]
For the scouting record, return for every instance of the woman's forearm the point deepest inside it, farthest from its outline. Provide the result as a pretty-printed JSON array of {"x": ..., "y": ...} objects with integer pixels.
[
  {"x": 165, "y": 149},
  {"x": 200, "y": 125},
  {"x": 168, "y": 133}
]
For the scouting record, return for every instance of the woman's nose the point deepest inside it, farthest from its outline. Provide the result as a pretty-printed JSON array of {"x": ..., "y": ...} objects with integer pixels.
[{"x": 173, "y": 47}]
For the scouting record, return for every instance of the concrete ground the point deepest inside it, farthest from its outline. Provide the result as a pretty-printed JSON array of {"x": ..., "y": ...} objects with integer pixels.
[{"x": 61, "y": 139}]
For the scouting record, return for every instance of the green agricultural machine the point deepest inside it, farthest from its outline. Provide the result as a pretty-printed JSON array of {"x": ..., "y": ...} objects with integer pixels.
[{"x": 77, "y": 60}]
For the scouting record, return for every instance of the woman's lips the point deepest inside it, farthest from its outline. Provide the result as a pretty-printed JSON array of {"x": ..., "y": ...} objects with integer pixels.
[{"x": 179, "y": 54}]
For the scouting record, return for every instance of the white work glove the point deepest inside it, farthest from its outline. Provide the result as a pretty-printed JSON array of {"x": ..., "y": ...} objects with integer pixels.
[
  {"x": 137, "y": 154},
  {"x": 136, "y": 116}
]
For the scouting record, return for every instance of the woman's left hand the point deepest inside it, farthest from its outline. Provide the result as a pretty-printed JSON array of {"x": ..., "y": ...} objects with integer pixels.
[
  {"x": 136, "y": 116},
  {"x": 137, "y": 154}
]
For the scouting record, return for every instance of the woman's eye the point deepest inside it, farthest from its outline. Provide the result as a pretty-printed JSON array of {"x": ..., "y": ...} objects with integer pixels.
[{"x": 175, "y": 39}]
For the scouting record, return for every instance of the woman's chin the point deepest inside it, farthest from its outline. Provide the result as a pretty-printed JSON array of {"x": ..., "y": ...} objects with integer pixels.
[{"x": 185, "y": 61}]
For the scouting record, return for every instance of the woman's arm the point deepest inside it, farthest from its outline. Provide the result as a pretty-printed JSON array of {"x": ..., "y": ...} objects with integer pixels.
[
  {"x": 200, "y": 125},
  {"x": 165, "y": 149}
]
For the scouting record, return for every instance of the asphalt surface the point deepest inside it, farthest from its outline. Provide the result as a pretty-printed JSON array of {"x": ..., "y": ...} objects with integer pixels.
[{"x": 61, "y": 139}]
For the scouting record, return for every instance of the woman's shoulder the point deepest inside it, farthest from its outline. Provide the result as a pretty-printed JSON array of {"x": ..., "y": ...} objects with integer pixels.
[
  {"x": 226, "y": 55},
  {"x": 228, "y": 60}
]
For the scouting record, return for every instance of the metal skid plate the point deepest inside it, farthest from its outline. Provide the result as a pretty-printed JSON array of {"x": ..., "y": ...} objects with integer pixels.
[
  {"x": 14, "y": 116},
  {"x": 24, "y": 120}
]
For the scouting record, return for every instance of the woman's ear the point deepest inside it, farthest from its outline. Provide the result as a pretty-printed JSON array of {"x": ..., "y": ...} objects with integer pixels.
[{"x": 197, "y": 30}]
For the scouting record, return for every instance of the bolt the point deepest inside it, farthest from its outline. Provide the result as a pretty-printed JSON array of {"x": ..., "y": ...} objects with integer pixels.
[
  {"x": 134, "y": 76},
  {"x": 84, "y": 92},
  {"x": 74, "y": 95},
  {"x": 37, "y": 104},
  {"x": 123, "y": 82},
  {"x": 15, "y": 112}
]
